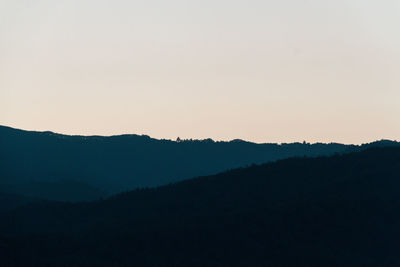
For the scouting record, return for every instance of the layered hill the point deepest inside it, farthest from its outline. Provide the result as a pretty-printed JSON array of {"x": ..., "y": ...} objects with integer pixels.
[
  {"x": 79, "y": 168},
  {"x": 342, "y": 210}
]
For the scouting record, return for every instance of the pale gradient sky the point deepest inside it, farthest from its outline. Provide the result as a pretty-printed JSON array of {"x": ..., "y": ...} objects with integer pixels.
[{"x": 264, "y": 71}]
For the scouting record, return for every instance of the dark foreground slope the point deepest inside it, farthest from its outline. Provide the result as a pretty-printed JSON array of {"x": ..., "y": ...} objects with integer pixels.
[
  {"x": 328, "y": 211},
  {"x": 77, "y": 168}
]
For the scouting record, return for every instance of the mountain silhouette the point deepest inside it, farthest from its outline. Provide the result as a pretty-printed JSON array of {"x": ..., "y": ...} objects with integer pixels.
[
  {"x": 341, "y": 210},
  {"x": 45, "y": 165},
  {"x": 60, "y": 167}
]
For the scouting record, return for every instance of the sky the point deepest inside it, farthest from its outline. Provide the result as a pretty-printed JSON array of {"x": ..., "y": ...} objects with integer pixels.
[{"x": 263, "y": 71}]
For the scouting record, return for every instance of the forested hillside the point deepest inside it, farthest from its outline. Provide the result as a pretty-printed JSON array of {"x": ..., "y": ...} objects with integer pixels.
[
  {"x": 342, "y": 210},
  {"x": 79, "y": 168}
]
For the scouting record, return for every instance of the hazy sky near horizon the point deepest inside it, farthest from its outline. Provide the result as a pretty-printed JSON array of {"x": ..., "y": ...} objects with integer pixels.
[{"x": 264, "y": 71}]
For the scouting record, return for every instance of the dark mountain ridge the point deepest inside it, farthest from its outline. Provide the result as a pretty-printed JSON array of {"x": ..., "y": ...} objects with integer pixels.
[
  {"x": 341, "y": 210},
  {"x": 77, "y": 168}
]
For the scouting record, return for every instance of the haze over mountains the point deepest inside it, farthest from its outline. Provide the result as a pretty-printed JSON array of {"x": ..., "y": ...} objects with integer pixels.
[
  {"x": 266, "y": 71},
  {"x": 341, "y": 210},
  {"x": 45, "y": 165}
]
